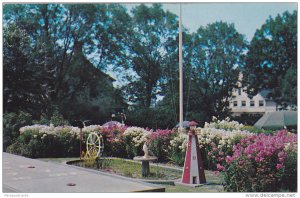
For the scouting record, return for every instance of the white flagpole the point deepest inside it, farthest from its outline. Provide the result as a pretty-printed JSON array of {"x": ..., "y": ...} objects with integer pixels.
[{"x": 180, "y": 73}]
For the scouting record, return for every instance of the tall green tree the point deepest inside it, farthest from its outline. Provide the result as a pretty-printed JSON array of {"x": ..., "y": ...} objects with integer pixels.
[
  {"x": 20, "y": 73},
  {"x": 218, "y": 54},
  {"x": 52, "y": 31},
  {"x": 152, "y": 27},
  {"x": 272, "y": 59}
]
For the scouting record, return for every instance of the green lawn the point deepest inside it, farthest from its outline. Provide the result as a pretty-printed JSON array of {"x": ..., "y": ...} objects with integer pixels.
[{"x": 132, "y": 169}]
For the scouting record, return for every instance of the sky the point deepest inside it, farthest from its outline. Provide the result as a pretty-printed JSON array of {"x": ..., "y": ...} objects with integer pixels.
[{"x": 247, "y": 17}]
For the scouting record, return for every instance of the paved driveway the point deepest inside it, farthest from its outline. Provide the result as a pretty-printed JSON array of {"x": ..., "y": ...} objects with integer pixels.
[{"x": 26, "y": 175}]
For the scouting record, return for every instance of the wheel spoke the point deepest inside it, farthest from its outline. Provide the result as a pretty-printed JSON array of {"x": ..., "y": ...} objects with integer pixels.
[{"x": 94, "y": 144}]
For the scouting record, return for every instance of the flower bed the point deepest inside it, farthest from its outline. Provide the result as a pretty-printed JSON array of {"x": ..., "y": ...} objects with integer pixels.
[
  {"x": 262, "y": 163},
  {"x": 248, "y": 161}
]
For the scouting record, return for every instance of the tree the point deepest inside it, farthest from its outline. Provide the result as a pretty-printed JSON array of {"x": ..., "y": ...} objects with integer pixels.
[
  {"x": 21, "y": 90},
  {"x": 272, "y": 59},
  {"x": 217, "y": 57},
  {"x": 152, "y": 27},
  {"x": 52, "y": 30}
]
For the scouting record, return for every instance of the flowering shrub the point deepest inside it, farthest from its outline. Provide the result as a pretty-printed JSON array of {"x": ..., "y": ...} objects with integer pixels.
[
  {"x": 36, "y": 144},
  {"x": 138, "y": 135},
  {"x": 248, "y": 161},
  {"x": 178, "y": 146},
  {"x": 159, "y": 142},
  {"x": 134, "y": 138},
  {"x": 114, "y": 143},
  {"x": 215, "y": 144},
  {"x": 224, "y": 124},
  {"x": 45, "y": 129},
  {"x": 113, "y": 131},
  {"x": 260, "y": 163},
  {"x": 11, "y": 125}
]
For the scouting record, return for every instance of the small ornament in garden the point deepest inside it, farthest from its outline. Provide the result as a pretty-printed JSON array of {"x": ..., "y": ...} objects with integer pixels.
[
  {"x": 193, "y": 172},
  {"x": 145, "y": 149}
]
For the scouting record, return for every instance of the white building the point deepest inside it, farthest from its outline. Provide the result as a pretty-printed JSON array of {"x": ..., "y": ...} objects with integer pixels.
[{"x": 240, "y": 103}]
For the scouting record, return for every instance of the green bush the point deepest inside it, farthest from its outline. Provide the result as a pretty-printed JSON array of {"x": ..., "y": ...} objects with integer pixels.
[
  {"x": 115, "y": 148},
  {"x": 131, "y": 149},
  {"x": 12, "y": 122},
  {"x": 35, "y": 145},
  {"x": 57, "y": 119},
  {"x": 159, "y": 149},
  {"x": 176, "y": 154},
  {"x": 150, "y": 117},
  {"x": 177, "y": 157},
  {"x": 18, "y": 149},
  {"x": 256, "y": 130},
  {"x": 160, "y": 143},
  {"x": 290, "y": 173}
]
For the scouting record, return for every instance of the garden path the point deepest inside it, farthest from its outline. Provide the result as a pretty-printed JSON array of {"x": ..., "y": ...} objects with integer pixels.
[{"x": 26, "y": 175}]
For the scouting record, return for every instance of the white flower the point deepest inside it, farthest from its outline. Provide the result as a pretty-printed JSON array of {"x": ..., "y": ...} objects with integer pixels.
[
  {"x": 139, "y": 135},
  {"x": 224, "y": 124}
]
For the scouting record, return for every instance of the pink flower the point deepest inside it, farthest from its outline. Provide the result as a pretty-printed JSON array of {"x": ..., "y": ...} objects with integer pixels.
[
  {"x": 257, "y": 159},
  {"x": 234, "y": 148},
  {"x": 220, "y": 167},
  {"x": 282, "y": 154},
  {"x": 279, "y": 166},
  {"x": 229, "y": 159}
]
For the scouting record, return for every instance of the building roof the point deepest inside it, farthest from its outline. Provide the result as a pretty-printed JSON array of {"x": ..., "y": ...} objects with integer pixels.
[{"x": 78, "y": 52}]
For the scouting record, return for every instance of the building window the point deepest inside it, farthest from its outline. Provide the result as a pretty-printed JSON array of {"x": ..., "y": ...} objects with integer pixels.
[
  {"x": 240, "y": 91},
  {"x": 252, "y": 103},
  {"x": 261, "y": 103},
  {"x": 235, "y": 103},
  {"x": 243, "y": 103}
]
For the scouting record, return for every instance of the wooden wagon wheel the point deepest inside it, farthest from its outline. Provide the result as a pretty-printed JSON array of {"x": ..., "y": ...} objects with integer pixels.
[{"x": 94, "y": 145}]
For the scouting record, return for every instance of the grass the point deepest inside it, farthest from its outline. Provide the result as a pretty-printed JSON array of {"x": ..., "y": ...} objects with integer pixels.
[
  {"x": 214, "y": 184},
  {"x": 131, "y": 169}
]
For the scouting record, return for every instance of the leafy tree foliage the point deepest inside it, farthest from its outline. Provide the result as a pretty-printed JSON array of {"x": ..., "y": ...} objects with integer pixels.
[
  {"x": 51, "y": 33},
  {"x": 217, "y": 56},
  {"x": 272, "y": 59},
  {"x": 152, "y": 27},
  {"x": 20, "y": 73},
  {"x": 48, "y": 47}
]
